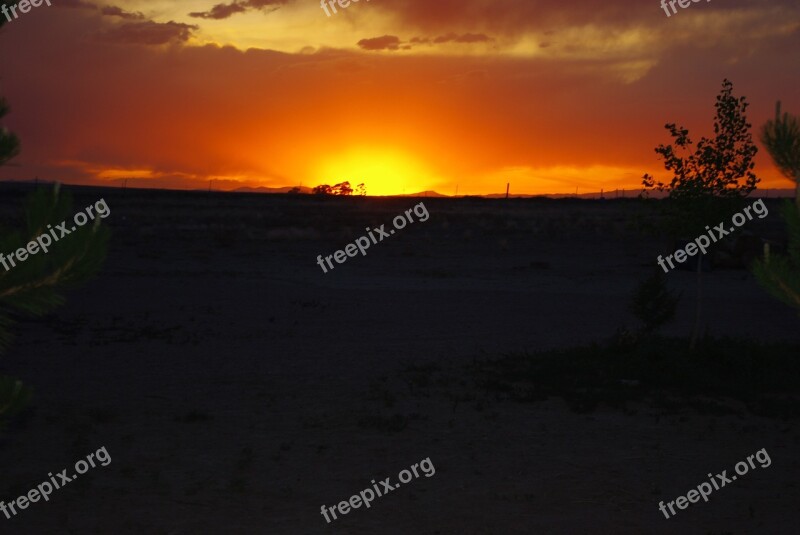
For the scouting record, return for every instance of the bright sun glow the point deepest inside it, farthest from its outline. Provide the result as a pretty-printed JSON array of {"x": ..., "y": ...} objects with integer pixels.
[{"x": 383, "y": 171}]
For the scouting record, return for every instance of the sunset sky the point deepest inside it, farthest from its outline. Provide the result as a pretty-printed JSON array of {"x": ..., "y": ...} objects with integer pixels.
[{"x": 404, "y": 95}]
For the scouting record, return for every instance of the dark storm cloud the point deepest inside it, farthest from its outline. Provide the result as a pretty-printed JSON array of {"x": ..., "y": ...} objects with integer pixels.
[
  {"x": 392, "y": 42},
  {"x": 149, "y": 33},
  {"x": 138, "y": 30},
  {"x": 219, "y": 11},
  {"x": 386, "y": 42},
  {"x": 109, "y": 11},
  {"x": 114, "y": 11},
  {"x": 223, "y": 11}
]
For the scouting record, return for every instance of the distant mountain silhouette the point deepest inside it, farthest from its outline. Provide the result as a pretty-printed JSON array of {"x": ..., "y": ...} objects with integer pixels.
[{"x": 428, "y": 193}]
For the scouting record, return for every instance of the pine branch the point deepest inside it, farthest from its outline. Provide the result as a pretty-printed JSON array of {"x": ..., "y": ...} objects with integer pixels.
[{"x": 37, "y": 285}]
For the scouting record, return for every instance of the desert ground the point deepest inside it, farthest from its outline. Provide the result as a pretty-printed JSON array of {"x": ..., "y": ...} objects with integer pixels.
[{"x": 238, "y": 388}]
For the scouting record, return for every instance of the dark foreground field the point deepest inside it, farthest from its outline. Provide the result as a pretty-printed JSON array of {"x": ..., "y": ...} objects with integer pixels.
[{"x": 238, "y": 388}]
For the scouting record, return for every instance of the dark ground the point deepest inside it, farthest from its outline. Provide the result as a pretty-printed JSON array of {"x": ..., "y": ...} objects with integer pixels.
[{"x": 237, "y": 388}]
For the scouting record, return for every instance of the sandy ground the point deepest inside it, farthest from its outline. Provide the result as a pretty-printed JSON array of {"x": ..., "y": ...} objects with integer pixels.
[{"x": 237, "y": 388}]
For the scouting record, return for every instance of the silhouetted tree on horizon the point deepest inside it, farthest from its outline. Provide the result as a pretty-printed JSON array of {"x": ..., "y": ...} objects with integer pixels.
[
  {"x": 781, "y": 137},
  {"x": 711, "y": 182},
  {"x": 342, "y": 188},
  {"x": 780, "y": 275}
]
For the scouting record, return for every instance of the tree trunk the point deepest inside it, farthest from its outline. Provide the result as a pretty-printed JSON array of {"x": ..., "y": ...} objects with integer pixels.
[
  {"x": 797, "y": 189},
  {"x": 699, "y": 304}
]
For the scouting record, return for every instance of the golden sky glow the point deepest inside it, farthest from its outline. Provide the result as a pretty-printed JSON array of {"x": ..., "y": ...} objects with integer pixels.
[
  {"x": 386, "y": 171},
  {"x": 404, "y": 95}
]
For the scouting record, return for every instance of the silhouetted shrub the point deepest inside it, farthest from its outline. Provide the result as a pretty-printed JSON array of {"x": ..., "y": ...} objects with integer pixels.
[{"x": 653, "y": 303}]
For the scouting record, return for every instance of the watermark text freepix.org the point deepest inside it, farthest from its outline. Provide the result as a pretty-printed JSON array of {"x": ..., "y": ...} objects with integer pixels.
[
  {"x": 683, "y": 3},
  {"x": 43, "y": 490},
  {"x": 366, "y": 495},
  {"x": 362, "y": 243},
  {"x": 43, "y": 241},
  {"x": 24, "y": 6},
  {"x": 719, "y": 231},
  {"x": 704, "y": 489},
  {"x": 342, "y": 3}
]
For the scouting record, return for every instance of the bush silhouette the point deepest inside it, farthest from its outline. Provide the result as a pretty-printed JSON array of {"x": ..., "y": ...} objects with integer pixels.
[{"x": 652, "y": 303}]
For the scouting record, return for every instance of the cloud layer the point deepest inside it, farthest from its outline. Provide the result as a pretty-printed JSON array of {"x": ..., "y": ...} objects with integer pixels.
[
  {"x": 223, "y": 11},
  {"x": 549, "y": 95}
]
